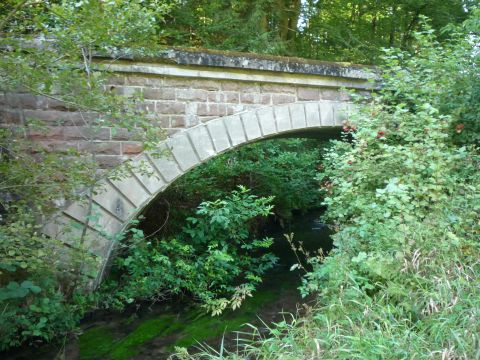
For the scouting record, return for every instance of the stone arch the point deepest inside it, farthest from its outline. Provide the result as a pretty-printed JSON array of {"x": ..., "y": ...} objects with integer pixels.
[{"x": 120, "y": 201}]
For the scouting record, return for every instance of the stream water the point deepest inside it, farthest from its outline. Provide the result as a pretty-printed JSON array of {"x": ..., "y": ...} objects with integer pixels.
[{"x": 153, "y": 331}]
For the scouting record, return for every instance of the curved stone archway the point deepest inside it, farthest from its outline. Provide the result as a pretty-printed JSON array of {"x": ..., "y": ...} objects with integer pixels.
[{"x": 120, "y": 201}]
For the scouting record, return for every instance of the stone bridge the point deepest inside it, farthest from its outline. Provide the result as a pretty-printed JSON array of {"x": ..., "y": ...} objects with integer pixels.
[{"x": 210, "y": 103}]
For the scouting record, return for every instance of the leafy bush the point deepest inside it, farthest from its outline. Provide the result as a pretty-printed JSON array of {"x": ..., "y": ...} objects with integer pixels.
[
  {"x": 285, "y": 168},
  {"x": 403, "y": 279},
  {"x": 213, "y": 259}
]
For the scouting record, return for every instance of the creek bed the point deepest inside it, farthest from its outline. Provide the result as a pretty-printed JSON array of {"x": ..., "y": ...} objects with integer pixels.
[{"x": 155, "y": 330}]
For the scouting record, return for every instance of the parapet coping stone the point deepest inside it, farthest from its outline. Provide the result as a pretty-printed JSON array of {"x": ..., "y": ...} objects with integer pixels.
[
  {"x": 238, "y": 60},
  {"x": 231, "y": 59}
]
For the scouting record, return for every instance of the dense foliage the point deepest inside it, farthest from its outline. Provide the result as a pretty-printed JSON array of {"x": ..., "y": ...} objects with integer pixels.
[
  {"x": 284, "y": 168},
  {"x": 403, "y": 279},
  {"x": 214, "y": 259},
  {"x": 402, "y": 188},
  {"x": 207, "y": 257},
  {"x": 341, "y": 30}
]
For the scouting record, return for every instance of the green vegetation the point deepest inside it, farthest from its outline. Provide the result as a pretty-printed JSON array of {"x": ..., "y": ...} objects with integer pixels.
[
  {"x": 95, "y": 342},
  {"x": 339, "y": 30},
  {"x": 188, "y": 329},
  {"x": 285, "y": 168},
  {"x": 40, "y": 299},
  {"x": 214, "y": 258},
  {"x": 403, "y": 279},
  {"x": 402, "y": 187}
]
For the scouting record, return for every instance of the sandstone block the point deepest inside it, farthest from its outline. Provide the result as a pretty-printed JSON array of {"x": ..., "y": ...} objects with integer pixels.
[
  {"x": 267, "y": 121},
  {"x": 282, "y": 117},
  {"x": 136, "y": 80},
  {"x": 235, "y": 129},
  {"x": 132, "y": 147},
  {"x": 312, "y": 114},
  {"x": 304, "y": 93},
  {"x": 242, "y": 87},
  {"x": 283, "y": 99},
  {"x": 219, "y": 135},
  {"x": 297, "y": 113},
  {"x": 231, "y": 97},
  {"x": 340, "y": 111},
  {"x": 191, "y": 94},
  {"x": 177, "y": 121},
  {"x": 101, "y": 147},
  {"x": 113, "y": 201},
  {"x": 147, "y": 174},
  {"x": 85, "y": 133},
  {"x": 170, "y": 107},
  {"x": 132, "y": 189},
  {"x": 211, "y": 109},
  {"x": 251, "y": 125},
  {"x": 326, "y": 113},
  {"x": 47, "y": 132},
  {"x": 200, "y": 139},
  {"x": 277, "y": 88},
  {"x": 183, "y": 151},
  {"x": 110, "y": 161},
  {"x": 165, "y": 163},
  {"x": 159, "y": 94}
]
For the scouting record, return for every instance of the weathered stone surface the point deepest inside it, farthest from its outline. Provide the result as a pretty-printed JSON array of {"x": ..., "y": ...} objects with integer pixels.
[
  {"x": 47, "y": 132},
  {"x": 326, "y": 113},
  {"x": 183, "y": 151},
  {"x": 98, "y": 219},
  {"x": 309, "y": 94},
  {"x": 282, "y": 116},
  {"x": 219, "y": 135},
  {"x": 101, "y": 147},
  {"x": 11, "y": 117},
  {"x": 267, "y": 121},
  {"x": 251, "y": 126},
  {"x": 235, "y": 129},
  {"x": 191, "y": 94},
  {"x": 85, "y": 133},
  {"x": 297, "y": 113},
  {"x": 206, "y": 109},
  {"x": 110, "y": 161},
  {"x": 113, "y": 201},
  {"x": 312, "y": 114},
  {"x": 159, "y": 94},
  {"x": 200, "y": 139},
  {"x": 283, "y": 99},
  {"x": 170, "y": 107},
  {"x": 166, "y": 164},
  {"x": 132, "y": 189},
  {"x": 147, "y": 174},
  {"x": 131, "y": 147},
  {"x": 208, "y": 103},
  {"x": 340, "y": 111}
]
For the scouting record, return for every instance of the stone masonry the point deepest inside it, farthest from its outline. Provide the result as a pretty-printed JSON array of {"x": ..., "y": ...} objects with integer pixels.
[{"x": 209, "y": 102}]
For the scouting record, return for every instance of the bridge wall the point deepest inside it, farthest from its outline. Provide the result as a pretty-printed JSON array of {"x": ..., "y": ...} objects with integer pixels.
[{"x": 209, "y": 103}]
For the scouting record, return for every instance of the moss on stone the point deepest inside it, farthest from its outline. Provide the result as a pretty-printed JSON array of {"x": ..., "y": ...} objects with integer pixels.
[
  {"x": 130, "y": 345},
  {"x": 192, "y": 327},
  {"x": 99, "y": 342},
  {"x": 207, "y": 327},
  {"x": 95, "y": 343}
]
